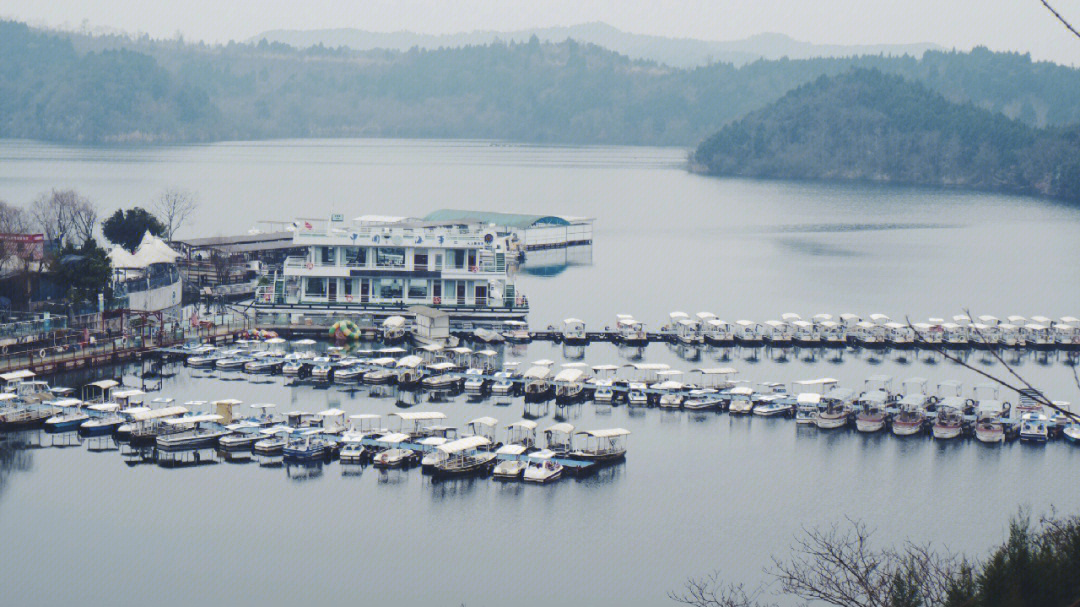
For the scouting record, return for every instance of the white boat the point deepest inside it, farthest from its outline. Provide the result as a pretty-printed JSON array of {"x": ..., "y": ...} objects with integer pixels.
[
  {"x": 748, "y": 332},
  {"x": 521, "y": 432},
  {"x": 393, "y": 329},
  {"x": 688, "y": 331},
  {"x": 559, "y": 437},
  {"x": 273, "y": 440},
  {"x": 321, "y": 367},
  {"x": 605, "y": 445},
  {"x": 537, "y": 384},
  {"x": 1072, "y": 433},
  {"x": 1034, "y": 427},
  {"x": 989, "y": 416},
  {"x": 630, "y": 332},
  {"x": 741, "y": 400},
  {"x": 807, "y": 405},
  {"x": 573, "y": 331},
  {"x": 465, "y": 456},
  {"x": 718, "y": 331},
  {"x": 488, "y": 336},
  {"x": 949, "y": 422},
  {"x": 773, "y": 405},
  {"x": 475, "y": 382},
  {"x": 911, "y": 416},
  {"x": 108, "y": 419},
  {"x": 513, "y": 464},
  {"x": 420, "y": 422},
  {"x": 604, "y": 391},
  {"x": 503, "y": 383},
  {"x": 68, "y": 415},
  {"x": 516, "y": 331},
  {"x": 870, "y": 411},
  {"x": 440, "y": 378},
  {"x": 835, "y": 410},
  {"x": 190, "y": 432},
  {"x": 569, "y": 384},
  {"x": 542, "y": 468},
  {"x": 391, "y": 455},
  {"x": 636, "y": 395},
  {"x": 434, "y": 456}
]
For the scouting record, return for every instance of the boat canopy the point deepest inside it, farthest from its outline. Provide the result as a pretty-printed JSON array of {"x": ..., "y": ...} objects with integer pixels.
[
  {"x": 392, "y": 350},
  {"x": 433, "y": 348},
  {"x": 605, "y": 367},
  {"x": 809, "y": 398},
  {"x": 413, "y": 416},
  {"x": 1070, "y": 320},
  {"x": 148, "y": 414},
  {"x": 528, "y": 424},
  {"x": 569, "y": 375},
  {"x": 703, "y": 316},
  {"x": 260, "y": 406},
  {"x": 537, "y": 373},
  {"x": 464, "y": 444},
  {"x": 742, "y": 391},
  {"x": 127, "y": 393},
  {"x": 577, "y": 365},
  {"x": 17, "y": 375},
  {"x": 823, "y": 381},
  {"x": 433, "y": 441},
  {"x": 563, "y": 427},
  {"x": 840, "y": 394},
  {"x": 649, "y": 366},
  {"x": 331, "y": 413},
  {"x": 104, "y": 384},
  {"x": 365, "y": 416},
  {"x": 544, "y": 362},
  {"x": 802, "y": 324},
  {"x": 488, "y": 353},
  {"x": 229, "y": 402},
  {"x": 822, "y": 317},
  {"x": 441, "y": 366},
  {"x": 393, "y": 438},
  {"x": 194, "y": 419},
  {"x": 716, "y": 322},
  {"x": 543, "y": 454},
  {"x": 717, "y": 371},
  {"x": 105, "y": 407},
  {"x": 484, "y": 421},
  {"x": 573, "y": 321},
  {"x": 990, "y": 406},
  {"x": 606, "y": 433},
  {"x": 512, "y": 449},
  {"x": 394, "y": 322},
  {"x": 66, "y": 402},
  {"x": 669, "y": 372},
  {"x": 877, "y": 397},
  {"x": 915, "y": 398},
  {"x": 7, "y": 396},
  {"x": 412, "y": 361},
  {"x": 746, "y": 323},
  {"x": 669, "y": 384},
  {"x": 952, "y": 402}
]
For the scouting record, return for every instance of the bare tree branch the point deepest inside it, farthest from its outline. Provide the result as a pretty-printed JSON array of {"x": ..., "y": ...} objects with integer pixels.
[
  {"x": 1060, "y": 18},
  {"x": 174, "y": 207},
  {"x": 710, "y": 591}
]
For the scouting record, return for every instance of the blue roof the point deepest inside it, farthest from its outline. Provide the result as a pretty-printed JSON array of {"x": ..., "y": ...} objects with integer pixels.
[{"x": 513, "y": 220}]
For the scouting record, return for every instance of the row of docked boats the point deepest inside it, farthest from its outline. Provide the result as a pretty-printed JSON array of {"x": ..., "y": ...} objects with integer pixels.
[{"x": 824, "y": 329}]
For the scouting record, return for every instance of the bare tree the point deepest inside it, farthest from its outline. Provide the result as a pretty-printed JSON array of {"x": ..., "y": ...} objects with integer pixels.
[
  {"x": 174, "y": 207},
  {"x": 712, "y": 591},
  {"x": 12, "y": 221},
  {"x": 64, "y": 214}
]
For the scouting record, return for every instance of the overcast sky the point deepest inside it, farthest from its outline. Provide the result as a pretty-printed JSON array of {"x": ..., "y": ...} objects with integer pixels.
[{"x": 1022, "y": 25}]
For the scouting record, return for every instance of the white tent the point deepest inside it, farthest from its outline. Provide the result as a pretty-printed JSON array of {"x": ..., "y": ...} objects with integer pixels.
[{"x": 150, "y": 251}]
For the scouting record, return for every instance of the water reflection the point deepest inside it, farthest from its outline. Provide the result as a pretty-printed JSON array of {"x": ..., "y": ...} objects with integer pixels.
[
  {"x": 187, "y": 458},
  {"x": 304, "y": 471}
]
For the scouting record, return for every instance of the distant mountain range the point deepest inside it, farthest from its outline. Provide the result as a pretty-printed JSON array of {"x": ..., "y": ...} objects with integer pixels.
[{"x": 676, "y": 52}]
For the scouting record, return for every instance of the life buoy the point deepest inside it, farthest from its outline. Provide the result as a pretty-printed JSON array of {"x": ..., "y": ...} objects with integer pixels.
[
  {"x": 520, "y": 301},
  {"x": 4, "y": 349},
  {"x": 266, "y": 297},
  {"x": 436, "y": 300},
  {"x": 348, "y": 298},
  {"x": 310, "y": 265},
  {"x": 42, "y": 353},
  {"x": 473, "y": 269}
]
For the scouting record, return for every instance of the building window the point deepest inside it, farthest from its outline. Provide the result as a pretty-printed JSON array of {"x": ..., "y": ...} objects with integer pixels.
[
  {"x": 327, "y": 257},
  {"x": 390, "y": 289},
  {"x": 347, "y": 286},
  {"x": 438, "y": 262},
  {"x": 316, "y": 287},
  {"x": 459, "y": 259},
  {"x": 418, "y": 289},
  {"x": 420, "y": 259},
  {"x": 390, "y": 257},
  {"x": 356, "y": 256}
]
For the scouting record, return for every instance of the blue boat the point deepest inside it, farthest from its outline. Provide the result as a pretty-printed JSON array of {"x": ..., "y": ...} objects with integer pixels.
[
  {"x": 70, "y": 416},
  {"x": 308, "y": 446}
]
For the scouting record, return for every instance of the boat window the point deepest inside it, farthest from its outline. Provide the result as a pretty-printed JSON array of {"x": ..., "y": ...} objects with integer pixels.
[
  {"x": 420, "y": 259},
  {"x": 438, "y": 262},
  {"x": 418, "y": 289},
  {"x": 327, "y": 255},
  {"x": 316, "y": 286},
  {"x": 390, "y": 289},
  {"x": 347, "y": 286},
  {"x": 459, "y": 259},
  {"x": 390, "y": 257},
  {"x": 356, "y": 256}
]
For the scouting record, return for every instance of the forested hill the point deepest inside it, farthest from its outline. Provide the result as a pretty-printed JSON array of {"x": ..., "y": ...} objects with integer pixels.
[
  {"x": 866, "y": 125},
  {"x": 81, "y": 88}
]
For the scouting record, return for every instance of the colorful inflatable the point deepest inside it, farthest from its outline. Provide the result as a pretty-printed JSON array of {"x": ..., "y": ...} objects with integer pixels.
[{"x": 345, "y": 329}]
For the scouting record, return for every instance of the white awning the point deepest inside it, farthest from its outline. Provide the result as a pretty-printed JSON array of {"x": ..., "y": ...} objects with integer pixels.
[
  {"x": 528, "y": 424},
  {"x": 441, "y": 366},
  {"x": 649, "y": 366},
  {"x": 365, "y": 416},
  {"x": 464, "y": 444},
  {"x": 809, "y": 398},
  {"x": 513, "y": 449},
  {"x": 141, "y": 416},
  {"x": 816, "y": 382},
  {"x": 717, "y": 371},
  {"x": 331, "y": 413},
  {"x": 412, "y": 361},
  {"x": 562, "y": 427},
  {"x": 105, "y": 407},
  {"x": 569, "y": 375},
  {"x": 127, "y": 393},
  {"x": 742, "y": 391},
  {"x": 573, "y": 321},
  {"x": 418, "y": 415},
  {"x": 484, "y": 421},
  {"x": 606, "y": 433},
  {"x": 537, "y": 373},
  {"x": 605, "y": 367},
  {"x": 17, "y": 375},
  {"x": 544, "y": 362},
  {"x": 228, "y": 402},
  {"x": 263, "y": 406},
  {"x": 394, "y": 321},
  {"x": 193, "y": 419},
  {"x": 104, "y": 384},
  {"x": 393, "y": 438}
]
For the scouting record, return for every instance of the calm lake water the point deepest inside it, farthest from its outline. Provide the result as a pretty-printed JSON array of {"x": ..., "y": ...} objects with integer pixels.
[{"x": 697, "y": 492}]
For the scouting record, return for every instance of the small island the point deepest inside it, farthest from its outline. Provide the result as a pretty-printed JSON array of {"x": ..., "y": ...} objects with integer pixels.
[{"x": 871, "y": 126}]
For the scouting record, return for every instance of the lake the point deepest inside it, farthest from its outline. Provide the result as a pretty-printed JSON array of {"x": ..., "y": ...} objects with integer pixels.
[{"x": 697, "y": 493}]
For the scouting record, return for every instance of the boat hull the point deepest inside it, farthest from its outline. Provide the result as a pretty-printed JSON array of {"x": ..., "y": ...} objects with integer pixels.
[
  {"x": 990, "y": 435},
  {"x": 869, "y": 425},
  {"x": 906, "y": 428},
  {"x": 828, "y": 422}
]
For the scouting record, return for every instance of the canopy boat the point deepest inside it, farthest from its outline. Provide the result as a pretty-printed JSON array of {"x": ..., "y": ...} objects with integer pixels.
[
  {"x": 672, "y": 394},
  {"x": 352, "y": 372},
  {"x": 332, "y": 421},
  {"x": 773, "y": 405},
  {"x": 393, "y": 330},
  {"x": 440, "y": 379},
  {"x": 870, "y": 411},
  {"x": 409, "y": 371},
  {"x": 475, "y": 383},
  {"x": 836, "y": 409},
  {"x": 145, "y": 424},
  {"x": 272, "y": 440},
  {"x": 748, "y": 332},
  {"x": 559, "y": 438},
  {"x": 487, "y": 336},
  {"x": 603, "y": 391},
  {"x": 516, "y": 331},
  {"x": 482, "y": 426},
  {"x": 512, "y": 465},
  {"x": 208, "y": 358},
  {"x": 807, "y": 406},
  {"x": 954, "y": 335},
  {"x": 989, "y": 417},
  {"x": 1072, "y": 433},
  {"x": 383, "y": 371},
  {"x": 420, "y": 423},
  {"x": 542, "y": 468},
  {"x": 630, "y": 332},
  {"x": 309, "y": 445},
  {"x": 503, "y": 384},
  {"x": 804, "y": 333},
  {"x": 107, "y": 419},
  {"x": 573, "y": 332},
  {"x": 237, "y": 361},
  {"x": 68, "y": 415},
  {"x": 522, "y": 433},
  {"x": 688, "y": 332},
  {"x": 190, "y": 432},
  {"x": 636, "y": 395},
  {"x": 718, "y": 332},
  {"x": 465, "y": 456},
  {"x": 779, "y": 332},
  {"x": 569, "y": 385},
  {"x": 537, "y": 384},
  {"x": 265, "y": 362},
  {"x": 912, "y": 414},
  {"x": 831, "y": 333},
  {"x": 321, "y": 367},
  {"x": 741, "y": 400},
  {"x": 433, "y": 456},
  {"x": 244, "y": 435},
  {"x": 601, "y": 446},
  {"x": 1034, "y": 427}
]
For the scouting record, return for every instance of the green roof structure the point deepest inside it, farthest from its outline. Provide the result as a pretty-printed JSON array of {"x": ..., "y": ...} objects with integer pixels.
[{"x": 513, "y": 220}]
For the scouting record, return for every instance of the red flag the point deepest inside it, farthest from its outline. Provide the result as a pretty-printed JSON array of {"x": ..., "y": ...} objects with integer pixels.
[{"x": 307, "y": 225}]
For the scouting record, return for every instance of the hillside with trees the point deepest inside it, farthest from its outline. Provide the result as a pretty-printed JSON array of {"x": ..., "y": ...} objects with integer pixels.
[
  {"x": 72, "y": 87},
  {"x": 867, "y": 125}
]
